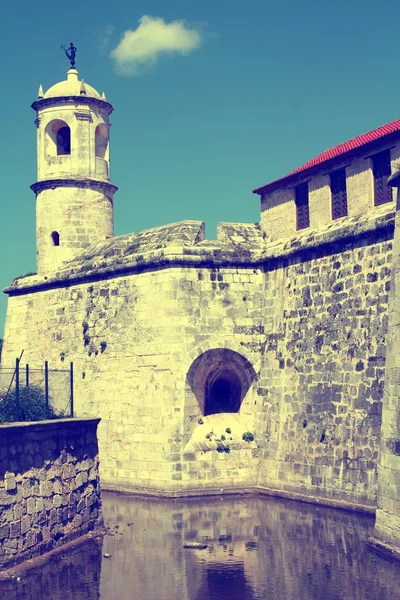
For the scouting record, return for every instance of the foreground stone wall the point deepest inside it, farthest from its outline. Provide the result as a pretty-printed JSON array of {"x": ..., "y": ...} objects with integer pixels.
[{"x": 49, "y": 486}]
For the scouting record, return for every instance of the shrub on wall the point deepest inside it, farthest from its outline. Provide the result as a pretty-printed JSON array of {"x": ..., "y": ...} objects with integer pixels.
[{"x": 32, "y": 405}]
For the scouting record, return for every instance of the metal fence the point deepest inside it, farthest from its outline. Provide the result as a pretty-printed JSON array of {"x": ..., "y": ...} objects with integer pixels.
[{"x": 28, "y": 393}]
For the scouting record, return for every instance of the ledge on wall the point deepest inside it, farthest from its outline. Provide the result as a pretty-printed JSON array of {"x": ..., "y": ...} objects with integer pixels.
[{"x": 212, "y": 433}]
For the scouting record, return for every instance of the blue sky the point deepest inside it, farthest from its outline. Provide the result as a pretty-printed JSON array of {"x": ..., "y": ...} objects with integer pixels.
[{"x": 212, "y": 100}]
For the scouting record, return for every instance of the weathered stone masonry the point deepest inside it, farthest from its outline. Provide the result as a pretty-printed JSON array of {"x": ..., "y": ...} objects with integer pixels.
[
  {"x": 49, "y": 486},
  {"x": 308, "y": 315},
  {"x": 322, "y": 378}
]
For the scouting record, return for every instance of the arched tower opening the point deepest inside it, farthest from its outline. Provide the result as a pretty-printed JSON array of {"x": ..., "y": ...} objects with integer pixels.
[
  {"x": 102, "y": 152},
  {"x": 101, "y": 139},
  {"x": 58, "y": 138}
]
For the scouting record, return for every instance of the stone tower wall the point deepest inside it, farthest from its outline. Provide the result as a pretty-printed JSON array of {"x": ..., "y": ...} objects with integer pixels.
[
  {"x": 80, "y": 214},
  {"x": 82, "y": 118},
  {"x": 74, "y": 198}
]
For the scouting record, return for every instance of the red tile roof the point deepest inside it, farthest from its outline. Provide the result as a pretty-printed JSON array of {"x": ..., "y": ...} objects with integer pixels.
[{"x": 334, "y": 152}]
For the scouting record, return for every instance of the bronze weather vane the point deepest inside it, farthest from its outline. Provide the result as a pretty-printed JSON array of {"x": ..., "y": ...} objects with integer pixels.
[{"x": 70, "y": 53}]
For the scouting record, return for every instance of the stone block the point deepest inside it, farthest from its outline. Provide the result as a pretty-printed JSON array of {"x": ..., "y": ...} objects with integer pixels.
[
  {"x": 6, "y": 499},
  {"x": 4, "y": 531},
  {"x": 10, "y": 483}
]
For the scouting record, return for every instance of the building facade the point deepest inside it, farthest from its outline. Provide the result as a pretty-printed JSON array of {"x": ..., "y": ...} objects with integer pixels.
[{"x": 254, "y": 361}]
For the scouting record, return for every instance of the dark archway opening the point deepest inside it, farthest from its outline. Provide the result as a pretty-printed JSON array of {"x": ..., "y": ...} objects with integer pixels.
[
  {"x": 55, "y": 236},
  {"x": 220, "y": 379},
  {"x": 223, "y": 394},
  {"x": 63, "y": 140}
]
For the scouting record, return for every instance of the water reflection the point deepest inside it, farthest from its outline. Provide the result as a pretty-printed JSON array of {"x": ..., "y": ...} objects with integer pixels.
[
  {"x": 71, "y": 576},
  {"x": 257, "y": 549}
]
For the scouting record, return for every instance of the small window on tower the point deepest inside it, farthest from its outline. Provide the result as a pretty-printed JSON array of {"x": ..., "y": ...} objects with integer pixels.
[
  {"x": 58, "y": 138},
  {"x": 339, "y": 193},
  {"x": 64, "y": 140},
  {"x": 382, "y": 170},
  {"x": 55, "y": 236},
  {"x": 302, "y": 206}
]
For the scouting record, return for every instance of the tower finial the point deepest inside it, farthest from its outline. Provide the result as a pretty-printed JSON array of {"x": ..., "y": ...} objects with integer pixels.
[
  {"x": 70, "y": 53},
  {"x": 40, "y": 92}
]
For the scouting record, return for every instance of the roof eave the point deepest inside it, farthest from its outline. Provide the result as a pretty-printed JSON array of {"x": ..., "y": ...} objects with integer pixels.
[{"x": 283, "y": 181}]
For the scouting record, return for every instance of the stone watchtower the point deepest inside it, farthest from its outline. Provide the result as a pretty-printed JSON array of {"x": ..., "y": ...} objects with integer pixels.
[{"x": 74, "y": 196}]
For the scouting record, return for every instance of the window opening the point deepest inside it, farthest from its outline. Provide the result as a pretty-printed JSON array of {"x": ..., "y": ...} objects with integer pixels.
[
  {"x": 101, "y": 139},
  {"x": 55, "y": 236},
  {"x": 63, "y": 140},
  {"x": 339, "y": 193},
  {"x": 302, "y": 206},
  {"x": 381, "y": 169}
]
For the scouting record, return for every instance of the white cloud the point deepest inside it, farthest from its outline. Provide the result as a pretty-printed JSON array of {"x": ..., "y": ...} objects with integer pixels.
[{"x": 142, "y": 47}]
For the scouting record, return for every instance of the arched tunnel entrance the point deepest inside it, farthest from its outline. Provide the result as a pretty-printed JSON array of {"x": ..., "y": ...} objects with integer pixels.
[
  {"x": 223, "y": 393},
  {"x": 220, "y": 379}
]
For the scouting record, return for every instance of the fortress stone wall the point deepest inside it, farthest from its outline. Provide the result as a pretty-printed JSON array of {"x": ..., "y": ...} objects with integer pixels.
[{"x": 303, "y": 322}]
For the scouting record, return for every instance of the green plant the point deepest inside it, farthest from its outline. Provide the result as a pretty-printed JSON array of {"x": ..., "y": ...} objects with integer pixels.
[
  {"x": 305, "y": 422},
  {"x": 90, "y": 289},
  {"x": 228, "y": 430},
  {"x": 223, "y": 438},
  {"x": 209, "y": 435},
  {"x": 103, "y": 346},
  {"x": 32, "y": 405},
  {"x": 251, "y": 545},
  {"x": 62, "y": 356},
  {"x": 26, "y": 275},
  {"x": 83, "y": 374},
  {"x": 86, "y": 340},
  {"x": 85, "y": 327},
  {"x": 248, "y": 436},
  {"x": 223, "y": 448},
  {"x": 323, "y": 435},
  {"x": 85, "y": 268},
  {"x": 200, "y": 421}
]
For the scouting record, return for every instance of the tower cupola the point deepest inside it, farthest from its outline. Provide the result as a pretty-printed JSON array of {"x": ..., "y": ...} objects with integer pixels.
[{"x": 74, "y": 195}]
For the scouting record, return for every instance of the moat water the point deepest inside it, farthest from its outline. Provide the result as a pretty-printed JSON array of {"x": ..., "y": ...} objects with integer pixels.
[{"x": 257, "y": 549}]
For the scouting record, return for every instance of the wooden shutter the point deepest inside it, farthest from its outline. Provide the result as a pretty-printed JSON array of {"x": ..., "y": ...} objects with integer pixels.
[
  {"x": 339, "y": 194},
  {"x": 302, "y": 206},
  {"x": 381, "y": 169}
]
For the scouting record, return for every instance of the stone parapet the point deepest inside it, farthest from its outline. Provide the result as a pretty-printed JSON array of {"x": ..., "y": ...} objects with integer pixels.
[{"x": 183, "y": 245}]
